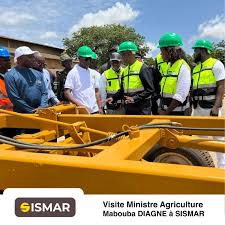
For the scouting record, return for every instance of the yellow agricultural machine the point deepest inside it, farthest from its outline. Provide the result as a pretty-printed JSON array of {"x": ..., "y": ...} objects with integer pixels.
[{"x": 109, "y": 154}]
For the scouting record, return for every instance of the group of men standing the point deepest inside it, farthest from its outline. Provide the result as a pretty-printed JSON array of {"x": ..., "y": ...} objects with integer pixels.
[
  {"x": 203, "y": 85},
  {"x": 183, "y": 90},
  {"x": 125, "y": 86}
]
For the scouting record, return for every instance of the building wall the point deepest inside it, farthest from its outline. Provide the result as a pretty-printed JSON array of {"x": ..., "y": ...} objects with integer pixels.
[{"x": 51, "y": 54}]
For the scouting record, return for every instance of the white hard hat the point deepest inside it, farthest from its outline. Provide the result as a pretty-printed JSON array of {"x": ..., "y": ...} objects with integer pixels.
[
  {"x": 23, "y": 50},
  {"x": 115, "y": 57}
]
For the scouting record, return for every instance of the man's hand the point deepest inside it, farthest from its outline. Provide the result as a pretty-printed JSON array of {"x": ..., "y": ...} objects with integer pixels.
[
  {"x": 100, "y": 111},
  {"x": 162, "y": 112},
  {"x": 35, "y": 110},
  {"x": 59, "y": 103},
  {"x": 128, "y": 100},
  {"x": 214, "y": 111},
  {"x": 109, "y": 100}
]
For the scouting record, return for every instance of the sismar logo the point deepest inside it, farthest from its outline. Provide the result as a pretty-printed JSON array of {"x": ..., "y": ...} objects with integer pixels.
[
  {"x": 25, "y": 207},
  {"x": 45, "y": 207}
]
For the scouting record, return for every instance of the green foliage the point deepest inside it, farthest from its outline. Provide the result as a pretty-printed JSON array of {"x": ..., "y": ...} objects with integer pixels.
[
  {"x": 218, "y": 51},
  {"x": 102, "y": 38},
  {"x": 149, "y": 61}
]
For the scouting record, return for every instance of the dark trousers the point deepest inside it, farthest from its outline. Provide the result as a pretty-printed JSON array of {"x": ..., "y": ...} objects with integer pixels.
[
  {"x": 8, "y": 132},
  {"x": 139, "y": 108}
]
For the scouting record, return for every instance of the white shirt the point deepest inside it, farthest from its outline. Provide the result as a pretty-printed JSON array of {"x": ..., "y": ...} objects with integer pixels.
[
  {"x": 218, "y": 70},
  {"x": 97, "y": 76},
  {"x": 183, "y": 84},
  {"x": 103, "y": 84},
  {"x": 103, "y": 92},
  {"x": 82, "y": 82},
  {"x": 47, "y": 80}
]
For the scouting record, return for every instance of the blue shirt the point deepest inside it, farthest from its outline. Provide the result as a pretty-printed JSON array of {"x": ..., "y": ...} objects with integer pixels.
[
  {"x": 26, "y": 89},
  {"x": 51, "y": 95}
]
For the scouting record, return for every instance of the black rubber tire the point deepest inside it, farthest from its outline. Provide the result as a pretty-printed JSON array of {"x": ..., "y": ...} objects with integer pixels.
[{"x": 196, "y": 157}]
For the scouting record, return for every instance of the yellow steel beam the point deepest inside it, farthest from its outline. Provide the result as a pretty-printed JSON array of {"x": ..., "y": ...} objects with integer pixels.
[
  {"x": 14, "y": 122},
  {"x": 46, "y": 135},
  {"x": 25, "y": 169},
  {"x": 131, "y": 149},
  {"x": 7, "y": 147},
  {"x": 92, "y": 149},
  {"x": 94, "y": 131},
  {"x": 32, "y": 140},
  {"x": 3, "y": 121},
  {"x": 201, "y": 144},
  {"x": 115, "y": 122},
  {"x": 39, "y": 119},
  {"x": 70, "y": 108}
]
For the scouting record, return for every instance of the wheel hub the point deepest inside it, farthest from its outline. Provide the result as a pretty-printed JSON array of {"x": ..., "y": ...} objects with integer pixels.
[{"x": 173, "y": 158}]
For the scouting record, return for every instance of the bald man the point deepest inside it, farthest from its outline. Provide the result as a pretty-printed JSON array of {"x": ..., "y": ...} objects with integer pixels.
[{"x": 40, "y": 65}]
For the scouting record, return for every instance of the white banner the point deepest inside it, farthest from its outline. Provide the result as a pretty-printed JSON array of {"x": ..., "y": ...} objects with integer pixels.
[{"x": 69, "y": 206}]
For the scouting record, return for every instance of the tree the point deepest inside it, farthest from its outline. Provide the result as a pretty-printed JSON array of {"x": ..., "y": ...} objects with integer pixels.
[
  {"x": 149, "y": 61},
  {"x": 218, "y": 51},
  {"x": 102, "y": 38}
]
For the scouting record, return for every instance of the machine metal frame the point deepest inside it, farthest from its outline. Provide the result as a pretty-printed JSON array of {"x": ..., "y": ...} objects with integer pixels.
[{"x": 115, "y": 167}]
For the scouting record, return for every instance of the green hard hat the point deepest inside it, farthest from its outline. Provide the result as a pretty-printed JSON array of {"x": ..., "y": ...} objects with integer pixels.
[
  {"x": 170, "y": 40},
  {"x": 85, "y": 52},
  {"x": 127, "y": 46},
  {"x": 202, "y": 43},
  {"x": 94, "y": 55}
]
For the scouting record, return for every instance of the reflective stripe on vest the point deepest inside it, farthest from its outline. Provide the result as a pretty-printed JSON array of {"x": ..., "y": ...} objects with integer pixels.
[
  {"x": 179, "y": 108},
  {"x": 169, "y": 85},
  {"x": 204, "y": 82},
  {"x": 5, "y": 103},
  {"x": 131, "y": 79},
  {"x": 161, "y": 64},
  {"x": 205, "y": 98},
  {"x": 113, "y": 80},
  {"x": 169, "y": 80}
]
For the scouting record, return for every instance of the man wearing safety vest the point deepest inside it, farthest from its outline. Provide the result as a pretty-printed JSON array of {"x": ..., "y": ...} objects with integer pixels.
[
  {"x": 161, "y": 64},
  {"x": 176, "y": 77},
  {"x": 5, "y": 65},
  {"x": 111, "y": 83},
  {"x": 137, "y": 86},
  {"x": 207, "y": 85}
]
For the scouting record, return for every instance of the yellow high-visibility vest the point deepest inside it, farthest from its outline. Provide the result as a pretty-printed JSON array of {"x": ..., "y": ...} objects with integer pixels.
[
  {"x": 161, "y": 64},
  {"x": 168, "y": 85},
  {"x": 113, "y": 80},
  {"x": 131, "y": 79},
  {"x": 204, "y": 83}
]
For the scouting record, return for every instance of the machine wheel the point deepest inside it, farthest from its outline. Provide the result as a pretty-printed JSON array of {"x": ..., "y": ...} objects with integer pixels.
[{"x": 183, "y": 156}]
